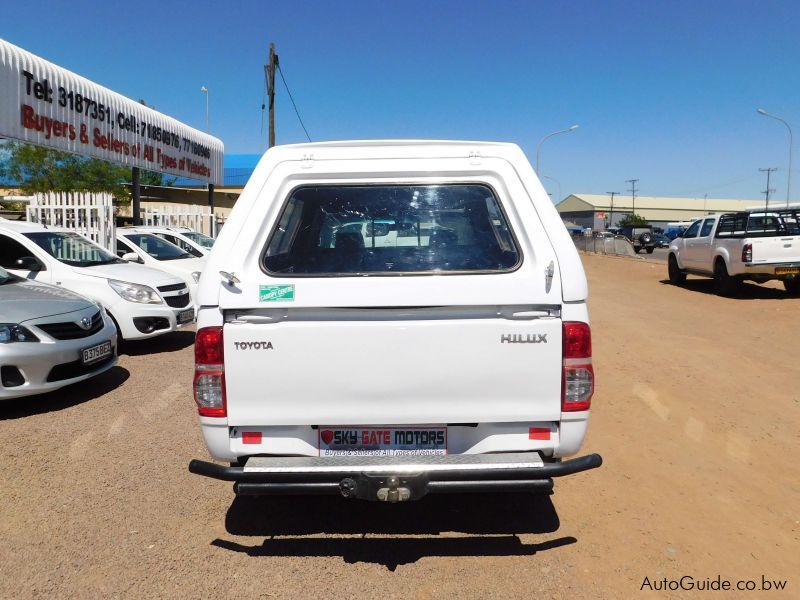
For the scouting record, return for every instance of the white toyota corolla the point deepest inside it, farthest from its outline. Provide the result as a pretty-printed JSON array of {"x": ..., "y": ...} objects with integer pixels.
[{"x": 49, "y": 337}]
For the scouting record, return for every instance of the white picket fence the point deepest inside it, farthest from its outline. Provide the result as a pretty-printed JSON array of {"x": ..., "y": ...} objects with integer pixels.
[
  {"x": 197, "y": 218},
  {"x": 90, "y": 214}
]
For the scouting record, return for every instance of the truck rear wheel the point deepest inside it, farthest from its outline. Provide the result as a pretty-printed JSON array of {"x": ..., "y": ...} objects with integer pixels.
[
  {"x": 676, "y": 276},
  {"x": 724, "y": 284},
  {"x": 792, "y": 286}
]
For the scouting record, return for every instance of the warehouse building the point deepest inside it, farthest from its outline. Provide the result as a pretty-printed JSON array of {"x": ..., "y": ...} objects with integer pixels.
[{"x": 596, "y": 211}]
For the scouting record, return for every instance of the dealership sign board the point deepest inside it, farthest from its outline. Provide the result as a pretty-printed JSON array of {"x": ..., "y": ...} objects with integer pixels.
[{"x": 43, "y": 104}]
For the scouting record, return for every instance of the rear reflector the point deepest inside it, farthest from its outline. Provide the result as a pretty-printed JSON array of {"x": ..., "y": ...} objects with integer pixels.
[
  {"x": 251, "y": 437},
  {"x": 539, "y": 433},
  {"x": 209, "y": 373},
  {"x": 577, "y": 382}
]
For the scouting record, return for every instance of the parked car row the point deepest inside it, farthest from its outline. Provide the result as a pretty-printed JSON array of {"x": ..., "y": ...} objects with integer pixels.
[{"x": 66, "y": 302}]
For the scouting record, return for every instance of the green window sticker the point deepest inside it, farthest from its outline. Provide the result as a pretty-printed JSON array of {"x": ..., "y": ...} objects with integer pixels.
[{"x": 276, "y": 293}]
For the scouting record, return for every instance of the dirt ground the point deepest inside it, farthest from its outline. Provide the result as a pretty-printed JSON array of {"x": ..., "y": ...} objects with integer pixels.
[{"x": 696, "y": 414}]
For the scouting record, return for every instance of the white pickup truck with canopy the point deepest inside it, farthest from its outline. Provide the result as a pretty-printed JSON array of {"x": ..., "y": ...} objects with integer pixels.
[
  {"x": 755, "y": 245},
  {"x": 383, "y": 320}
]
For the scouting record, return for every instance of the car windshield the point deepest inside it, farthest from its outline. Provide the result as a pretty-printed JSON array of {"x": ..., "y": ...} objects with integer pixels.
[
  {"x": 72, "y": 249},
  {"x": 156, "y": 247},
  {"x": 199, "y": 238}
]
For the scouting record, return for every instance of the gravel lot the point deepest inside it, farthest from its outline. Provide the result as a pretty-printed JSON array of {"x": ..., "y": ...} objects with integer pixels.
[{"x": 696, "y": 416}]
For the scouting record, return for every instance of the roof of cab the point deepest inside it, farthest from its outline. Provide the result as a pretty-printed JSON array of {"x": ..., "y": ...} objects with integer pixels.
[{"x": 388, "y": 148}]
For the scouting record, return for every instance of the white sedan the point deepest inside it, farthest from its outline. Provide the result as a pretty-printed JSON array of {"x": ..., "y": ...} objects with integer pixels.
[
  {"x": 192, "y": 242},
  {"x": 134, "y": 245}
]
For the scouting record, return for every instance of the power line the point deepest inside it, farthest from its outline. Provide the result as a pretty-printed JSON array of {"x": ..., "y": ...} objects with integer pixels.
[{"x": 286, "y": 85}]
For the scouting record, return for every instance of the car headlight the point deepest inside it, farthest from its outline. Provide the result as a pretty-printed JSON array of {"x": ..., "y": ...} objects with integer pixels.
[
  {"x": 11, "y": 332},
  {"x": 133, "y": 292},
  {"x": 196, "y": 276}
]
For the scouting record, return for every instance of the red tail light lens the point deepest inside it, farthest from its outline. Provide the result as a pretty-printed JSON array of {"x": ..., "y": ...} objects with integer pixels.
[
  {"x": 208, "y": 346},
  {"x": 747, "y": 253},
  {"x": 577, "y": 383},
  {"x": 209, "y": 372},
  {"x": 577, "y": 340}
]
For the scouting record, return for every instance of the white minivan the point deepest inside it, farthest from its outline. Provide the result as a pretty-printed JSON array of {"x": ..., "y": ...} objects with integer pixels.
[
  {"x": 142, "y": 302},
  {"x": 384, "y": 320}
]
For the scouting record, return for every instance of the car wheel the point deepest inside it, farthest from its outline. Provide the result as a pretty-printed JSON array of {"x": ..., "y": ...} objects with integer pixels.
[
  {"x": 792, "y": 286},
  {"x": 724, "y": 284},
  {"x": 676, "y": 276},
  {"x": 637, "y": 249},
  {"x": 650, "y": 250}
]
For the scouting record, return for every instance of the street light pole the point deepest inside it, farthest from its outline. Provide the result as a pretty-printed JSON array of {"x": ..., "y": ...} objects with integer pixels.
[
  {"x": 557, "y": 182},
  {"x": 204, "y": 89},
  {"x": 548, "y": 136},
  {"x": 761, "y": 111}
]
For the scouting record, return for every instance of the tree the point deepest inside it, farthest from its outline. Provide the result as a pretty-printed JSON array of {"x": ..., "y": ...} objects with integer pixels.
[
  {"x": 34, "y": 169},
  {"x": 633, "y": 220}
]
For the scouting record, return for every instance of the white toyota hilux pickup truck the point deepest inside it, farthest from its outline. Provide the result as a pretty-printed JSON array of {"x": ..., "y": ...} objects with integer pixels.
[
  {"x": 754, "y": 245},
  {"x": 453, "y": 355}
]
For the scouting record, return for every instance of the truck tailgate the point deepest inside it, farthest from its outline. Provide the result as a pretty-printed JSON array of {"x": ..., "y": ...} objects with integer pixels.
[
  {"x": 775, "y": 249},
  {"x": 393, "y": 366}
]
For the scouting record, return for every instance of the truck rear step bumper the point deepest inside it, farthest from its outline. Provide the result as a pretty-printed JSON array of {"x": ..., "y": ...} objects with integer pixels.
[{"x": 395, "y": 478}]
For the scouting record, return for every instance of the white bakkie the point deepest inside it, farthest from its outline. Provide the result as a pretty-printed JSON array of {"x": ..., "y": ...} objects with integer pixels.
[
  {"x": 754, "y": 245},
  {"x": 388, "y": 319}
]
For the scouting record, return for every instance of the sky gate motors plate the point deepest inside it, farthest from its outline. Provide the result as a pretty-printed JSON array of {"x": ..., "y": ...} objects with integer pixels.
[{"x": 382, "y": 441}]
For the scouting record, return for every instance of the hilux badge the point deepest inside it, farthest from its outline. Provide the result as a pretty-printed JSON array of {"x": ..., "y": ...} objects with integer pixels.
[{"x": 517, "y": 338}]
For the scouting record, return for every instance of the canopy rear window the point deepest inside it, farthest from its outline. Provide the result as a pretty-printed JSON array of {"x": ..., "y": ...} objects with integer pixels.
[{"x": 390, "y": 229}]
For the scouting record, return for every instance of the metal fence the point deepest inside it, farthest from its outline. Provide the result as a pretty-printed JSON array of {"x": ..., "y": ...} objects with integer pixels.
[
  {"x": 197, "y": 218},
  {"x": 90, "y": 214},
  {"x": 618, "y": 245}
]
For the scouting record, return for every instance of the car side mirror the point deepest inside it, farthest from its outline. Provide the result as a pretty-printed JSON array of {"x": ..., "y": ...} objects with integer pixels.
[
  {"x": 28, "y": 263},
  {"x": 132, "y": 257}
]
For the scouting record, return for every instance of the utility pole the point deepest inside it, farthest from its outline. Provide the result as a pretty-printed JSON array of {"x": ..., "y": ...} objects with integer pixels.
[
  {"x": 768, "y": 191},
  {"x": 611, "y": 218},
  {"x": 269, "y": 73},
  {"x": 633, "y": 183}
]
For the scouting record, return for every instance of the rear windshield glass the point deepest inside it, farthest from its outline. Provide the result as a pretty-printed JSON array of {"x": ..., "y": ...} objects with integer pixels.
[
  {"x": 156, "y": 247},
  {"x": 387, "y": 229}
]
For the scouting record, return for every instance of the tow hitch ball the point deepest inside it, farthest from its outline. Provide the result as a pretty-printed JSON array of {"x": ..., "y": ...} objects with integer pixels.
[{"x": 390, "y": 492}]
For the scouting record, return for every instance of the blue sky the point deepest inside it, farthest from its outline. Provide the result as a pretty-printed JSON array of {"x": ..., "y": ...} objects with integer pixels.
[{"x": 665, "y": 92}]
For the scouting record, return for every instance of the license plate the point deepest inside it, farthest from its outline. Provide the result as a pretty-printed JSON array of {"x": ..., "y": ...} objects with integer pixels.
[
  {"x": 185, "y": 316},
  {"x": 96, "y": 353},
  {"x": 787, "y": 270},
  {"x": 382, "y": 441}
]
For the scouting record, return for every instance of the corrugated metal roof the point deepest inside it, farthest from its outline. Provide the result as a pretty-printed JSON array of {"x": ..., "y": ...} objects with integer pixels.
[{"x": 622, "y": 202}]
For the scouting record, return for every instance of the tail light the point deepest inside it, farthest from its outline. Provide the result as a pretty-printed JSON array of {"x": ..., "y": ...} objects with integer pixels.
[
  {"x": 747, "y": 253},
  {"x": 577, "y": 383},
  {"x": 209, "y": 372}
]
